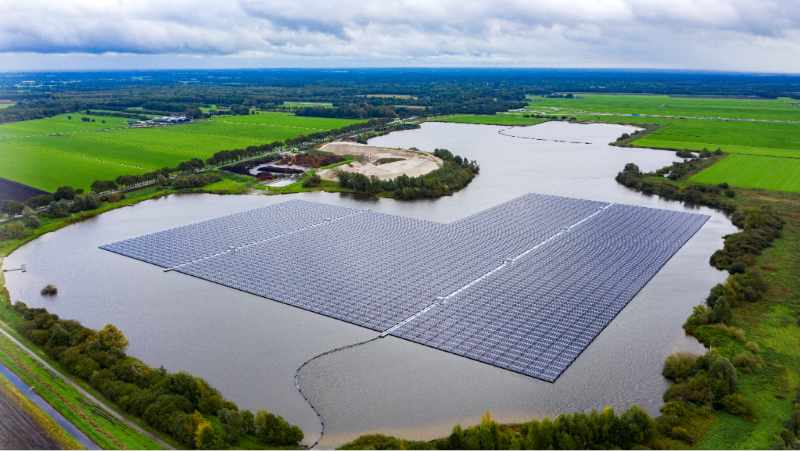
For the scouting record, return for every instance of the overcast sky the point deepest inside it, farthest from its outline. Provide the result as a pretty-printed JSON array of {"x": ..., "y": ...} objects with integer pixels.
[{"x": 742, "y": 35}]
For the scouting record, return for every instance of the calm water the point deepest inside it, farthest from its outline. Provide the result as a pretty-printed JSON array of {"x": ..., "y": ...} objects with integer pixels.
[{"x": 249, "y": 347}]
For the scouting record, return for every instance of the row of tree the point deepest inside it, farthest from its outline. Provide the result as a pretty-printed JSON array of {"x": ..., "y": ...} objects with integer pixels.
[
  {"x": 604, "y": 429},
  {"x": 180, "y": 405}
]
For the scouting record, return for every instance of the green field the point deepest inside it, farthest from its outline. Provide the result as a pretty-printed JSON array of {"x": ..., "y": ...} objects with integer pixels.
[
  {"x": 48, "y": 153},
  {"x": 777, "y": 174},
  {"x": 764, "y": 134},
  {"x": 489, "y": 119},
  {"x": 782, "y": 109}
]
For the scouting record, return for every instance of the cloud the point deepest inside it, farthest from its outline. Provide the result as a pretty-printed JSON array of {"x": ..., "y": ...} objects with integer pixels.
[{"x": 707, "y": 34}]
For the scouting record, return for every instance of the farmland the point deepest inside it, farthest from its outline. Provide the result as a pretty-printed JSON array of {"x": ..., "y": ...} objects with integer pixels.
[
  {"x": 776, "y": 174},
  {"x": 65, "y": 150}
]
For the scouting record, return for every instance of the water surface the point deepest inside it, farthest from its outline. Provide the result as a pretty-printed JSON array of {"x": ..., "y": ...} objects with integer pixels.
[{"x": 249, "y": 347}]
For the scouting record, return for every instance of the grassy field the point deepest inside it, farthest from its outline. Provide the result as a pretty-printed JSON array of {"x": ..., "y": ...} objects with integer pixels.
[
  {"x": 782, "y": 109},
  {"x": 771, "y": 324},
  {"x": 489, "y": 119},
  {"x": 48, "y": 153},
  {"x": 749, "y": 128},
  {"x": 777, "y": 174}
]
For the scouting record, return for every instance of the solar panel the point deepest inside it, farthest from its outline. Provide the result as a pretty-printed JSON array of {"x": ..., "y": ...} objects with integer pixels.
[{"x": 524, "y": 286}]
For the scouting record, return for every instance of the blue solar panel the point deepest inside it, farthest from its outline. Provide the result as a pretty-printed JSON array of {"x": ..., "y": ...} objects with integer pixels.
[
  {"x": 525, "y": 285},
  {"x": 537, "y": 314}
]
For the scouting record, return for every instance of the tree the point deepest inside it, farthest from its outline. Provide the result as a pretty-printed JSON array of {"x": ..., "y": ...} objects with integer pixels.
[
  {"x": 232, "y": 424},
  {"x": 100, "y": 186},
  {"x": 205, "y": 437},
  {"x": 12, "y": 208},
  {"x": 111, "y": 339},
  {"x": 64, "y": 192},
  {"x": 721, "y": 312},
  {"x": 274, "y": 430},
  {"x": 722, "y": 375},
  {"x": 12, "y": 231}
]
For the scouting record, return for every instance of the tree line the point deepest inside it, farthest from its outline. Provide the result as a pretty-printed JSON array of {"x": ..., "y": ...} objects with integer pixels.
[
  {"x": 603, "y": 429},
  {"x": 183, "y": 406}
]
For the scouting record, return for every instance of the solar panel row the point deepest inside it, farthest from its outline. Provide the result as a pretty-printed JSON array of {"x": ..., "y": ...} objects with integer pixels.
[
  {"x": 538, "y": 314},
  {"x": 578, "y": 263}
]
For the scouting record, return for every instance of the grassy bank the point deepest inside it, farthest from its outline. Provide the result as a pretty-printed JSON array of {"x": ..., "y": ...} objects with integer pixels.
[
  {"x": 44, "y": 421},
  {"x": 771, "y": 324}
]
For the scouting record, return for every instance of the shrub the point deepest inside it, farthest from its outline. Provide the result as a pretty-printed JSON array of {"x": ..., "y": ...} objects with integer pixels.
[
  {"x": 11, "y": 208},
  {"x": 195, "y": 180},
  {"x": 58, "y": 209},
  {"x": 735, "y": 404},
  {"x": 64, "y": 193},
  {"x": 49, "y": 290},
  {"x": 12, "y": 231},
  {"x": 104, "y": 185},
  {"x": 747, "y": 362},
  {"x": 721, "y": 313},
  {"x": 31, "y": 221},
  {"x": 312, "y": 181},
  {"x": 723, "y": 379},
  {"x": 680, "y": 366}
]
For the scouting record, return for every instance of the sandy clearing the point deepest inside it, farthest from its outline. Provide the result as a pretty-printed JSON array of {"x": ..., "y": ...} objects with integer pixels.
[{"x": 413, "y": 164}]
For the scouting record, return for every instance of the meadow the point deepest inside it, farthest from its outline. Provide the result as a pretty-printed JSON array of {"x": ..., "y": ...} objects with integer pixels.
[
  {"x": 65, "y": 150},
  {"x": 776, "y": 174}
]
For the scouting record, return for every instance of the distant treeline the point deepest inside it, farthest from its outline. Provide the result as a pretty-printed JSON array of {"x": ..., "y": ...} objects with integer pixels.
[
  {"x": 180, "y": 405},
  {"x": 358, "y": 93},
  {"x": 455, "y": 174}
]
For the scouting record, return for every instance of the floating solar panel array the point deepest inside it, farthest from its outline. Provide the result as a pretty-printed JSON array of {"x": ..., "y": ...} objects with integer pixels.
[{"x": 525, "y": 286}]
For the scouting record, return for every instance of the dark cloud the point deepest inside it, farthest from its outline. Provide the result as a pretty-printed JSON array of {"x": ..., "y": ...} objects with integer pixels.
[{"x": 707, "y": 34}]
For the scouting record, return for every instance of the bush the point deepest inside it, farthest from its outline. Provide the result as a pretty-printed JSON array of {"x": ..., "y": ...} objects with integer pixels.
[
  {"x": 680, "y": 366},
  {"x": 722, "y": 375},
  {"x": 64, "y": 193},
  {"x": 49, "y": 290},
  {"x": 747, "y": 362},
  {"x": 12, "y": 231},
  {"x": 11, "y": 208},
  {"x": 313, "y": 180},
  {"x": 100, "y": 186},
  {"x": 195, "y": 180},
  {"x": 735, "y": 404},
  {"x": 58, "y": 209},
  {"x": 31, "y": 221}
]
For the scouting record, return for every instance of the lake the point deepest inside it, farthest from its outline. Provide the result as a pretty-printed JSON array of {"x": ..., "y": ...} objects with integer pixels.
[{"x": 249, "y": 347}]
